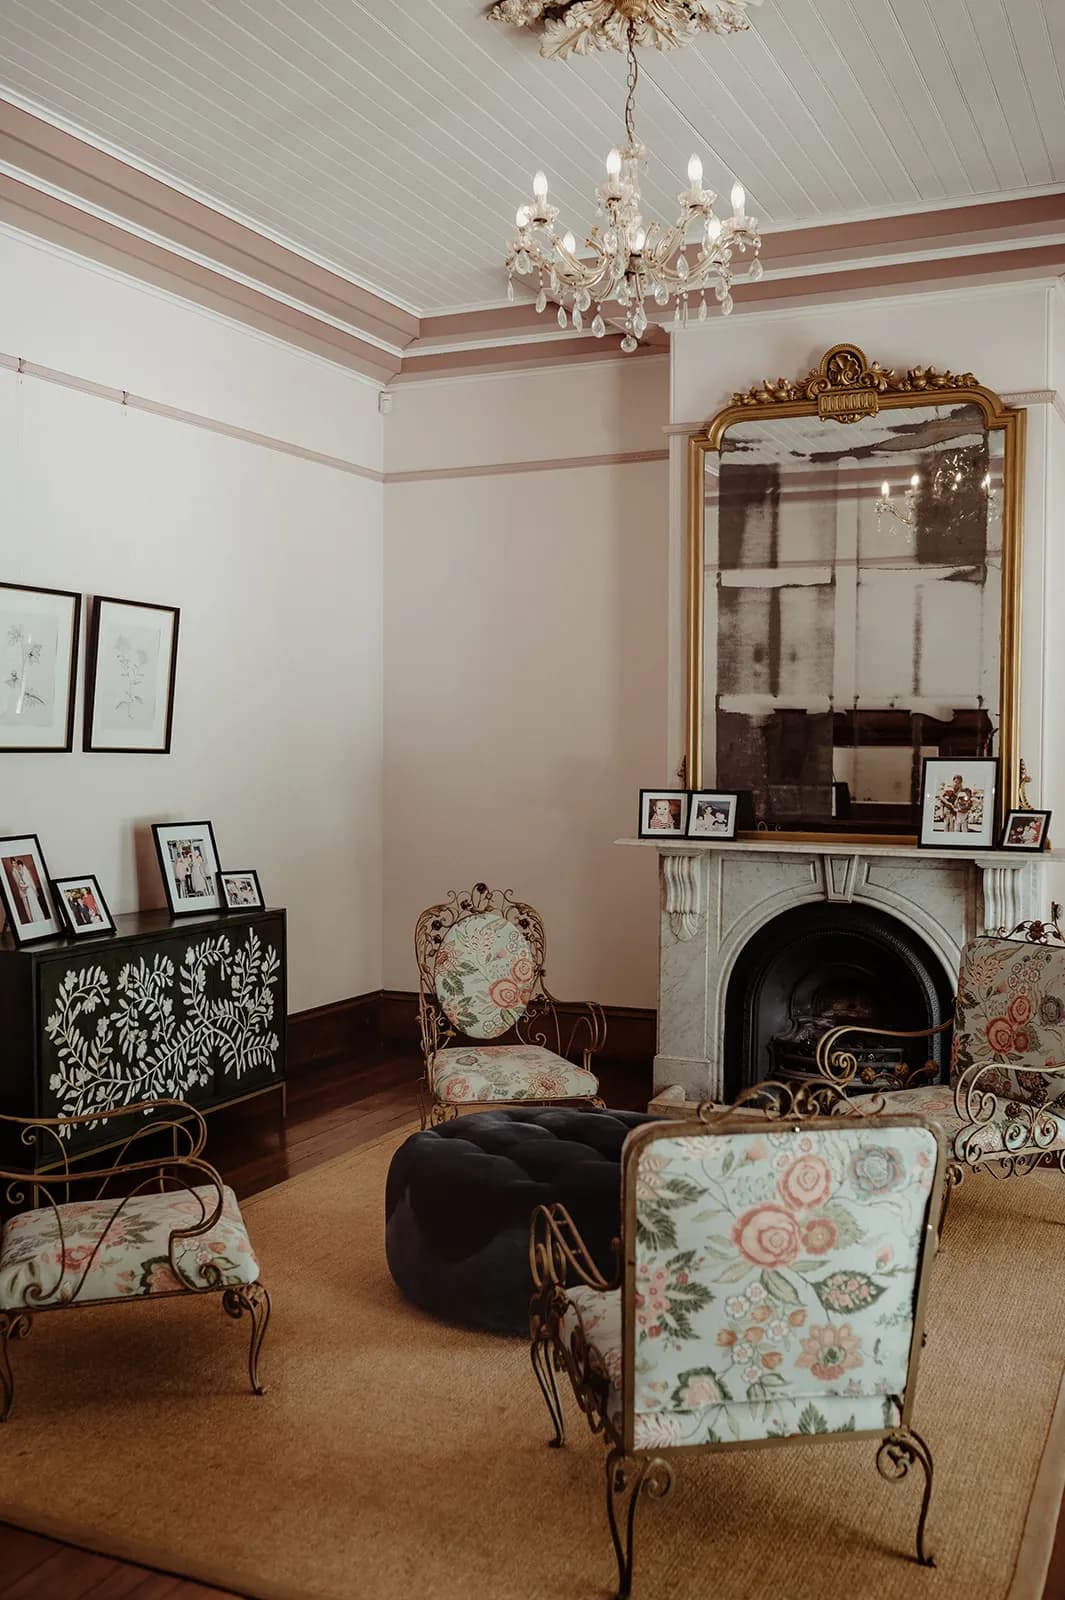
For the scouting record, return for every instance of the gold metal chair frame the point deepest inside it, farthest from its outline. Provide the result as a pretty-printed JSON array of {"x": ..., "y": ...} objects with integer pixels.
[
  {"x": 1030, "y": 1128},
  {"x": 558, "y": 1255},
  {"x": 188, "y": 1133},
  {"x": 581, "y": 1030}
]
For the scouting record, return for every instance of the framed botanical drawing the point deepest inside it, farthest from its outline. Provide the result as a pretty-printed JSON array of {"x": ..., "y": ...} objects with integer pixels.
[
  {"x": 24, "y": 890},
  {"x": 38, "y": 667},
  {"x": 129, "y": 701},
  {"x": 188, "y": 861}
]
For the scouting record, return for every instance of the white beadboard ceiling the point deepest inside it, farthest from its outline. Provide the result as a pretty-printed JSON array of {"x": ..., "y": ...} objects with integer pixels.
[{"x": 394, "y": 141}]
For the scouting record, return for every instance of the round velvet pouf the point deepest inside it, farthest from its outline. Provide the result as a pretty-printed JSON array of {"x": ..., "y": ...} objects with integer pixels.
[{"x": 459, "y": 1199}]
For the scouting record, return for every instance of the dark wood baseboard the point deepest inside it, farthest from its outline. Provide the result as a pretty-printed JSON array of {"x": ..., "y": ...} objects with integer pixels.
[{"x": 356, "y": 1030}]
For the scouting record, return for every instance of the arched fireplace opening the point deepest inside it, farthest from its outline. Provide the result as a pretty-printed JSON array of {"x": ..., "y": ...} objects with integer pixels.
[{"x": 816, "y": 966}]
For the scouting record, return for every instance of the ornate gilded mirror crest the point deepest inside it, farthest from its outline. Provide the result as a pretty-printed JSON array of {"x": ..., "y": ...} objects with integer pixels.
[{"x": 854, "y": 594}]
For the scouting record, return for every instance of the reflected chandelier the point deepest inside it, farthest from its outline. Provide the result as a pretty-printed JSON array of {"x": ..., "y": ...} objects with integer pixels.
[{"x": 626, "y": 259}]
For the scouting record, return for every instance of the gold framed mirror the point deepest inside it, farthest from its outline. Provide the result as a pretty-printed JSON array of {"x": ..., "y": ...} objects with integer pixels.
[{"x": 853, "y": 595}]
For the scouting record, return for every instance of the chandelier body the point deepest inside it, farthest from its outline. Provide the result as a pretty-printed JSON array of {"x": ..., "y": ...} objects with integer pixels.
[{"x": 626, "y": 259}]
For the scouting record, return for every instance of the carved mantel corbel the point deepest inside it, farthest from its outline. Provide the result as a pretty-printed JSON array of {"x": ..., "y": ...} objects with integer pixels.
[{"x": 685, "y": 900}]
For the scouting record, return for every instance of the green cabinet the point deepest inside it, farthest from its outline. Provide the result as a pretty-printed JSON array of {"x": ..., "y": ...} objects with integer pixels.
[{"x": 189, "y": 1008}]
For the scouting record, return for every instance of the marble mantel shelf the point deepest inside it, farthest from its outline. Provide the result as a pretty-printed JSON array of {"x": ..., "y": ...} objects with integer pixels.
[
  {"x": 677, "y": 845},
  {"x": 716, "y": 894}
]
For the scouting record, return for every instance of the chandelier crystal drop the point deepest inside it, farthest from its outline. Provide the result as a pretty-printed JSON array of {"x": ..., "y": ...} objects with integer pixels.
[{"x": 626, "y": 260}]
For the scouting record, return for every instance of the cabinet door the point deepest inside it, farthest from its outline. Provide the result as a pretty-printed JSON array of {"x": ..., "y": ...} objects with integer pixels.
[{"x": 193, "y": 1016}]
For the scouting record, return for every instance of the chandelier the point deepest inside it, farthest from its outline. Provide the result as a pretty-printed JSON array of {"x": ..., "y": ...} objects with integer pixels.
[
  {"x": 953, "y": 474},
  {"x": 625, "y": 258}
]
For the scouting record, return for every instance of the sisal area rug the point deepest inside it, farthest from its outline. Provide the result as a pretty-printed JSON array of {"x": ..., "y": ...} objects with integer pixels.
[{"x": 395, "y": 1456}]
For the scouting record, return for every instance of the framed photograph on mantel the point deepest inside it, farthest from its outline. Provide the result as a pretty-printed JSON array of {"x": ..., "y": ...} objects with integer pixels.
[
  {"x": 1025, "y": 830},
  {"x": 662, "y": 811},
  {"x": 188, "y": 861},
  {"x": 129, "y": 700},
  {"x": 958, "y": 797},
  {"x": 38, "y": 667}
]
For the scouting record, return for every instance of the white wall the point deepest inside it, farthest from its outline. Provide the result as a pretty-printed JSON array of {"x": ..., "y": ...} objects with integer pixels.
[
  {"x": 276, "y": 564},
  {"x": 525, "y": 662}
]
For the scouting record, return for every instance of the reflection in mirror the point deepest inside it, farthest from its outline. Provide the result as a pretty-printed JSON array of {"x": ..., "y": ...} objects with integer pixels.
[{"x": 852, "y": 605}]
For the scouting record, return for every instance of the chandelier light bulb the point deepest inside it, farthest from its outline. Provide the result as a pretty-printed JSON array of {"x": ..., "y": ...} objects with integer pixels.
[
  {"x": 613, "y": 163},
  {"x": 885, "y": 490},
  {"x": 569, "y": 243},
  {"x": 915, "y": 481},
  {"x": 695, "y": 172},
  {"x": 540, "y": 186},
  {"x": 522, "y": 217},
  {"x": 738, "y": 198},
  {"x": 713, "y": 228},
  {"x": 639, "y": 239}
]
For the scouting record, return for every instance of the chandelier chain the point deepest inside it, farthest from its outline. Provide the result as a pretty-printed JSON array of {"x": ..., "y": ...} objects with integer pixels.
[{"x": 631, "y": 80}]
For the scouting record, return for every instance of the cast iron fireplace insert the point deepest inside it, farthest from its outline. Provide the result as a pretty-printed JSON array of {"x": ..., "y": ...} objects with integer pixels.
[{"x": 819, "y": 965}]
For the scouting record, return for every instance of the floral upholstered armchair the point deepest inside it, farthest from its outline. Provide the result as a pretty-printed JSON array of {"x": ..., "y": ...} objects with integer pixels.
[
  {"x": 772, "y": 1288},
  {"x": 1004, "y": 1108},
  {"x": 176, "y": 1230},
  {"x": 480, "y": 961}
]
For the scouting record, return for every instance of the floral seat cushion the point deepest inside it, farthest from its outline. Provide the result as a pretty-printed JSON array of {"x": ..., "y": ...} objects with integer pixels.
[
  {"x": 484, "y": 975},
  {"x": 705, "y": 1418},
  {"x": 936, "y": 1102},
  {"x": 509, "y": 1072},
  {"x": 1010, "y": 1017},
  {"x": 115, "y": 1250}
]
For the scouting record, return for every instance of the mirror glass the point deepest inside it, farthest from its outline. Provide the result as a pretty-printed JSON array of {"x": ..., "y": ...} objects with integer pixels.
[{"x": 852, "y": 611}]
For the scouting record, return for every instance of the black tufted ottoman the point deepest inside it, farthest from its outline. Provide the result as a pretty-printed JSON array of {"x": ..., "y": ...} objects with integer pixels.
[{"x": 459, "y": 1199}]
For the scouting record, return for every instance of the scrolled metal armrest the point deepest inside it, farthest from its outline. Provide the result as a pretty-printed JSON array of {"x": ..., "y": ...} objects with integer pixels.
[
  {"x": 1029, "y": 1126},
  {"x": 557, "y": 1253},
  {"x": 841, "y": 1067},
  {"x": 187, "y": 1124},
  {"x": 590, "y": 1019}
]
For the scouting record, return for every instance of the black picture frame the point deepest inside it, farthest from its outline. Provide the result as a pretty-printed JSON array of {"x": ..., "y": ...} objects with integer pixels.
[
  {"x": 14, "y": 922},
  {"x": 954, "y": 839},
  {"x": 90, "y": 740},
  {"x": 707, "y": 797},
  {"x": 1027, "y": 816},
  {"x": 647, "y": 796},
  {"x": 78, "y": 930},
  {"x": 240, "y": 872},
  {"x": 72, "y": 678},
  {"x": 178, "y": 905}
]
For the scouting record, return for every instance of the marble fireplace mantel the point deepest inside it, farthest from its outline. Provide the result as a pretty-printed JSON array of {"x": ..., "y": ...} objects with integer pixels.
[{"x": 716, "y": 894}]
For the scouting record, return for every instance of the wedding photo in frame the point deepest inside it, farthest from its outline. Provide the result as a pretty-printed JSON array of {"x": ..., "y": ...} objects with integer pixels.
[
  {"x": 958, "y": 803},
  {"x": 188, "y": 861},
  {"x": 132, "y": 669},
  {"x": 39, "y": 632},
  {"x": 82, "y": 903},
  {"x": 24, "y": 890}
]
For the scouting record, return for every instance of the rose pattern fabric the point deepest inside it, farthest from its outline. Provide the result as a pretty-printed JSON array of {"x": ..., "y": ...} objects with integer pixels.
[
  {"x": 509, "y": 1072},
  {"x": 773, "y": 1285},
  {"x": 1010, "y": 1015},
  {"x": 484, "y": 975},
  {"x": 936, "y": 1101},
  {"x": 134, "y": 1255}
]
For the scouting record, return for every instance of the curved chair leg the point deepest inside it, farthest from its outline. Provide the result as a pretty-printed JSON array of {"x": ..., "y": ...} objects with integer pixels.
[
  {"x": 254, "y": 1299},
  {"x": 13, "y": 1325},
  {"x": 439, "y": 1114},
  {"x": 894, "y": 1458},
  {"x": 955, "y": 1173},
  {"x": 541, "y": 1352},
  {"x": 627, "y": 1477}
]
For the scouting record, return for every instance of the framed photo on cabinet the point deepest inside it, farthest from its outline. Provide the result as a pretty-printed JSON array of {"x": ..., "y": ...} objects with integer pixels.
[
  {"x": 188, "y": 861},
  {"x": 129, "y": 699},
  {"x": 38, "y": 668},
  {"x": 24, "y": 890},
  {"x": 241, "y": 890},
  {"x": 82, "y": 903}
]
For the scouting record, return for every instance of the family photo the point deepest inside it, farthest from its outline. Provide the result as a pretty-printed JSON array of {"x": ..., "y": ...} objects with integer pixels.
[
  {"x": 83, "y": 905},
  {"x": 27, "y": 893},
  {"x": 662, "y": 811},
  {"x": 713, "y": 816},
  {"x": 958, "y": 802},
  {"x": 188, "y": 861},
  {"x": 241, "y": 890},
  {"x": 959, "y": 807},
  {"x": 193, "y": 878}
]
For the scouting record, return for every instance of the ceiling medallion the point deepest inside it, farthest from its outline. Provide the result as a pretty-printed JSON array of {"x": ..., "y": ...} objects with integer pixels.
[{"x": 624, "y": 258}]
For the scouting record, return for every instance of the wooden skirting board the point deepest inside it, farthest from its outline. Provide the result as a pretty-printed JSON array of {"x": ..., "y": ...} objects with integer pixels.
[{"x": 387, "y": 1019}]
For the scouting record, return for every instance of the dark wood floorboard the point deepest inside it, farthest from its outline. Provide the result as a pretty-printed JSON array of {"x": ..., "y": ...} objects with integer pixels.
[{"x": 331, "y": 1110}]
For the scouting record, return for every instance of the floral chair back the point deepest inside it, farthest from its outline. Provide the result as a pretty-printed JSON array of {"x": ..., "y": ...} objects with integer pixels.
[
  {"x": 772, "y": 1278},
  {"x": 1010, "y": 1018},
  {"x": 480, "y": 959}
]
